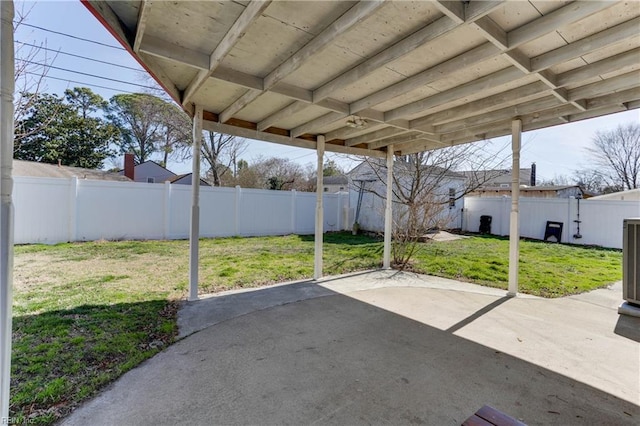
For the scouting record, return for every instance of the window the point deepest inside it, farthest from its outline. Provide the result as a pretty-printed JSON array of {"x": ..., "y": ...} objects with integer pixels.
[
  {"x": 452, "y": 197},
  {"x": 151, "y": 180},
  {"x": 326, "y": 189}
]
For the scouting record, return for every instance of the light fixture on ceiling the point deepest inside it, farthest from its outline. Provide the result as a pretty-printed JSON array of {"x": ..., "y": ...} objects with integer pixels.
[{"x": 356, "y": 122}]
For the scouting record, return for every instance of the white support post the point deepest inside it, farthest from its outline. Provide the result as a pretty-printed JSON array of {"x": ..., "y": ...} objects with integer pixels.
[
  {"x": 514, "y": 219},
  {"x": 317, "y": 267},
  {"x": 6, "y": 204},
  {"x": 388, "y": 211},
  {"x": 194, "y": 235}
]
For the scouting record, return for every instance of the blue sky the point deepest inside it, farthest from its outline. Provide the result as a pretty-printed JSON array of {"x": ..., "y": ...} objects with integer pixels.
[{"x": 557, "y": 151}]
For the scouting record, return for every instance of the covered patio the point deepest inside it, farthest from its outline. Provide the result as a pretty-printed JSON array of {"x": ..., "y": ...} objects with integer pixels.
[
  {"x": 383, "y": 78},
  {"x": 376, "y": 78},
  {"x": 385, "y": 348}
]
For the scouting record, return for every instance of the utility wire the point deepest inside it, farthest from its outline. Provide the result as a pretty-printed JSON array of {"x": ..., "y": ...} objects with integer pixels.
[
  {"x": 72, "y": 36},
  {"x": 81, "y": 82},
  {"x": 79, "y": 56},
  {"x": 89, "y": 75}
]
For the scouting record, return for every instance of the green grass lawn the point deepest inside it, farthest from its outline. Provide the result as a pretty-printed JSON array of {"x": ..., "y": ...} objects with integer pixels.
[
  {"x": 85, "y": 313},
  {"x": 546, "y": 269}
]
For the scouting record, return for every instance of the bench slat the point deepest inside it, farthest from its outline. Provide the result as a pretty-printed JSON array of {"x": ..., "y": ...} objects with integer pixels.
[{"x": 498, "y": 418}]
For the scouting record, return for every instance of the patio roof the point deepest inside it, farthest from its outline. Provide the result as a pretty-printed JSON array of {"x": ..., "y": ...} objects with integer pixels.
[{"x": 417, "y": 75}]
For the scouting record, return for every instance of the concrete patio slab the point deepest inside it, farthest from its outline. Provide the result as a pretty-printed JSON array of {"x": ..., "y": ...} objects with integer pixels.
[{"x": 385, "y": 348}]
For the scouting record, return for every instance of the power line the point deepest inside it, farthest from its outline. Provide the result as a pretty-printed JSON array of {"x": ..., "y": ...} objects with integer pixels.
[
  {"x": 89, "y": 75},
  {"x": 79, "y": 56},
  {"x": 83, "y": 83},
  {"x": 72, "y": 36}
]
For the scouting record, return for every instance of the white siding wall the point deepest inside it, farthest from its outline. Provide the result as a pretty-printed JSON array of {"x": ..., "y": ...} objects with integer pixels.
[
  {"x": 373, "y": 205},
  {"x": 601, "y": 220},
  {"x": 57, "y": 210}
]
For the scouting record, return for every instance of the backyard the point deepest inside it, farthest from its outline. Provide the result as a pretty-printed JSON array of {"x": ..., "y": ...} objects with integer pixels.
[{"x": 85, "y": 313}]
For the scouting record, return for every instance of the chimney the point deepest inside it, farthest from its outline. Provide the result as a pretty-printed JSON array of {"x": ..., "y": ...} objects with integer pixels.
[
  {"x": 533, "y": 174},
  {"x": 129, "y": 166}
]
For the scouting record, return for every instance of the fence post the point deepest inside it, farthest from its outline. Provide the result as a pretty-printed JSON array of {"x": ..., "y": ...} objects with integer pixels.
[
  {"x": 236, "y": 212},
  {"x": 294, "y": 195},
  {"x": 339, "y": 213},
  {"x": 570, "y": 223},
  {"x": 73, "y": 209},
  {"x": 166, "y": 232},
  {"x": 346, "y": 212},
  {"x": 504, "y": 213}
]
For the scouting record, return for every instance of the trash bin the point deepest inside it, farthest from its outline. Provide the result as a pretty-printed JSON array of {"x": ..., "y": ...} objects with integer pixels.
[{"x": 485, "y": 224}]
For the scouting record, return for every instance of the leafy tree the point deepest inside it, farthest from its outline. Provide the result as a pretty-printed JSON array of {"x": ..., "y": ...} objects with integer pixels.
[
  {"x": 140, "y": 119},
  {"x": 176, "y": 140},
  {"x": 616, "y": 154},
  {"x": 31, "y": 65},
  {"x": 330, "y": 168},
  {"x": 66, "y": 129}
]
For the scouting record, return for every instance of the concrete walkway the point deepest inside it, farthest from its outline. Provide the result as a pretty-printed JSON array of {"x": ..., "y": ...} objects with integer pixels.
[{"x": 385, "y": 348}]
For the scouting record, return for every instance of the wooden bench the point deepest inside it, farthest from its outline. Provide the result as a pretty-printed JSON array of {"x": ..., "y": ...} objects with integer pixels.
[{"x": 488, "y": 416}]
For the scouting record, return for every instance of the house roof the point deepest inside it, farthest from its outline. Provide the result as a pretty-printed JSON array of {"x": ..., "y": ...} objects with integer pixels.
[
  {"x": 630, "y": 195},
  {"x": 495, "y": 177},
  {"x": 399, "y": 168},
  {"x": 177, "y": 178},
  {"x": 530, "y": 188},
  {"x": 335, "y": 180},
  {"x": 34, "y": 169},
  {"x": 152, "y": 164},
  {"x": 364, "y": 75}
]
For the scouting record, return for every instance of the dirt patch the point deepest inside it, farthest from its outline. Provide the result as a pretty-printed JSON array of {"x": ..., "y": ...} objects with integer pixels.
[{"x": 443, "y": 236}]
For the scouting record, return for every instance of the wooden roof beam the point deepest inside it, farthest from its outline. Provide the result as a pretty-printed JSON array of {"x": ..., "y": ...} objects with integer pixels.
[
  {"x": 143, "y": 16},
  {"x": 248, "y": 16},
  {"x": 586, "y": 45},
  {"x": 345, "y": 133},
  {"x": 572, "y": 12},
  {"x": 361, "y": 11},
  {"x": 430, "y": 32},
  {"x": 492, "y": 103},
  {"x": 374, "y": 136},
  {"x": 283, "y": 139},
  {"x": 396, "y": 140},
  {"x": 495, "y": 79}
]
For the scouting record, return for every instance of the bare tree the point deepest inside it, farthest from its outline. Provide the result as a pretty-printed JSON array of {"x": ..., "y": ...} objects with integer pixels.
[
  {"x": 274, "y": 173},
  {"x": 616, "y": 154},
  {"x": 32, "y": 64},
  {"x": 425, "y": 189},
  {"x": 221, "y": 152}
]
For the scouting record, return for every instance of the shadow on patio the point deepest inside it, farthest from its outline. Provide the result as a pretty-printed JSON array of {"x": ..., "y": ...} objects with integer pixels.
[{"x": 333, "y": 359}]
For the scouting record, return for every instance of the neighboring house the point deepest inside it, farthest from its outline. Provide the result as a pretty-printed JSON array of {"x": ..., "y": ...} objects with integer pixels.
[
  {"x": 35, "y": 169},
  {"x": 447, "y": 187},
  {"x": 333, "y": 184},
  {"x": 185, "y": 179},
  {"x": 556, "y": 191},
  {"x": 628, "y": 195},
  {"x": 150, "y": 172},
  {"x": 499, "y": 178}
]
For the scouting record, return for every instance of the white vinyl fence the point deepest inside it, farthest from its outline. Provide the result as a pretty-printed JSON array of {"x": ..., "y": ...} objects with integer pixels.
[
  {"x": 49, "y": 211},
  {"x": 601, "y": 221}
]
